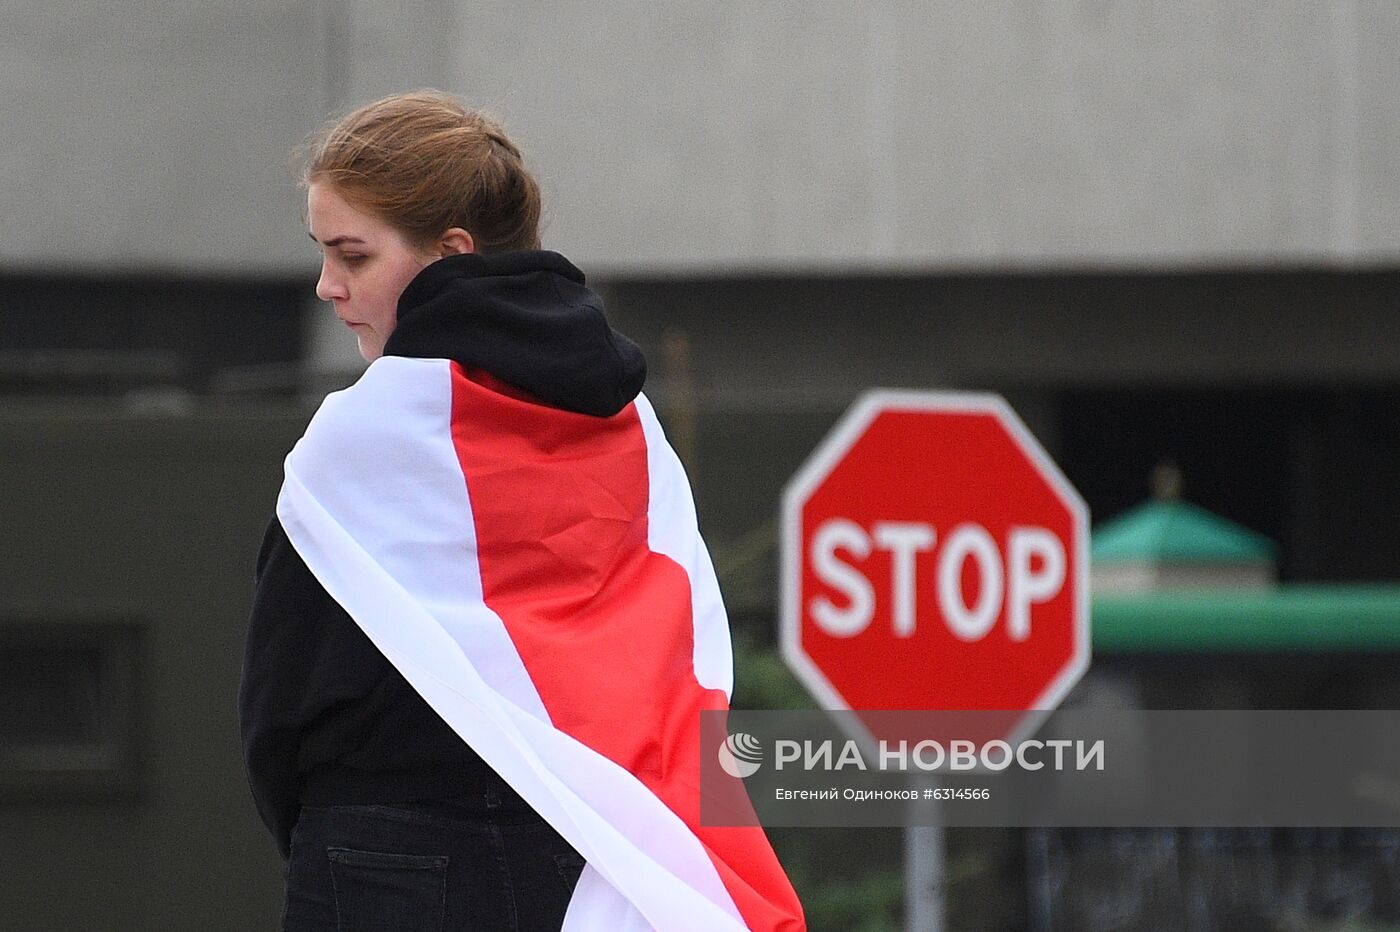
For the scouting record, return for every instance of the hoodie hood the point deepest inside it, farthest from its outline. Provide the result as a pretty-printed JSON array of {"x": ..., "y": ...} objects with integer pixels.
[{"x": 526, "y": 318}]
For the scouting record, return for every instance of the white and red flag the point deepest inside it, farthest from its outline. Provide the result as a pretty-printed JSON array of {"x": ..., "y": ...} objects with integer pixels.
[{"x": 538, "y": 577}]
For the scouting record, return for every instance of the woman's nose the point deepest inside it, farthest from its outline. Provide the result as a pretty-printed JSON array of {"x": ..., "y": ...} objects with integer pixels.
[{"x": 328, "y": 288}]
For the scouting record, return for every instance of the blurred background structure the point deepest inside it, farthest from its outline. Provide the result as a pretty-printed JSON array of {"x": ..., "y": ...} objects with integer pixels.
[{"x": 1166, "y": 232}]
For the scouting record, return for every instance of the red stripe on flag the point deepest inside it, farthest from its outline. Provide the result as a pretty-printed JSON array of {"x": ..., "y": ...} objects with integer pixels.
[{"x": 602, "y": 624}]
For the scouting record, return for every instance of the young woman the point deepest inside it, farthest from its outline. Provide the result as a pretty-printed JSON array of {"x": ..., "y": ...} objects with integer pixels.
[{"x": 485, "y": 626}]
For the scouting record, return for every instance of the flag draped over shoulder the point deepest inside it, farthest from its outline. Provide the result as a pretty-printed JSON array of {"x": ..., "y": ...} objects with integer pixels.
[{"x": 538, "y": 577}]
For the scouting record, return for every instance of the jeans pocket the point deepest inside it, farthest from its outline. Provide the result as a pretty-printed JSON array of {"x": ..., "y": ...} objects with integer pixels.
[
  {"x": 375, "y": 891},
  {"x": 569, "y": 865}
]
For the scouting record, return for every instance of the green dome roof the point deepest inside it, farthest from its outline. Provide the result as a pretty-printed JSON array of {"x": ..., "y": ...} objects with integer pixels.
[{"x": 1177, "y": 531}]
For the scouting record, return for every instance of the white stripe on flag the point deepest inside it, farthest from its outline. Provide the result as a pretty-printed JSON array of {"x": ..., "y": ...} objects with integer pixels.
[{"x": 672, "y": 531}]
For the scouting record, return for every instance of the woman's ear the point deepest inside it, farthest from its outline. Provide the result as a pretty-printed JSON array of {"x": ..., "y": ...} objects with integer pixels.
[{"x": 456, "y": 241}]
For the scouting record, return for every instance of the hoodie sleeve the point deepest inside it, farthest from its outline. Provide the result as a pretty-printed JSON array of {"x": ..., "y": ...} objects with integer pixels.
[{"x": 294, "y": 667}]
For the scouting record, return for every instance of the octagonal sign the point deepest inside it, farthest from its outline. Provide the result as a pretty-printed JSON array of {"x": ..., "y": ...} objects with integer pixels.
[{"x": 934, "y": 557}]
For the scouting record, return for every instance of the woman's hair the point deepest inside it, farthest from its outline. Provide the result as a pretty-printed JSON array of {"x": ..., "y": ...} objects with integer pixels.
[{"x": 424, "y": 163}]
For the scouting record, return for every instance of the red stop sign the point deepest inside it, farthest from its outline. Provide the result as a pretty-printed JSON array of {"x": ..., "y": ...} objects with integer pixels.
[{"x": 934, "y": 557}]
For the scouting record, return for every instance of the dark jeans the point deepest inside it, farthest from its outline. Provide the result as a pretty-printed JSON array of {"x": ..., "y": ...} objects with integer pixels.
[{"x": 486, "y": 863}]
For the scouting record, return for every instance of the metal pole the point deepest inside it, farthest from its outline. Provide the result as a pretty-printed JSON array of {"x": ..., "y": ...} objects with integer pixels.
[{"x": 925, "y": 857}]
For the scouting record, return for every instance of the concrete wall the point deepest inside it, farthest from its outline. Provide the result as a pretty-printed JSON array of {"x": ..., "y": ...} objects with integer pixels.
[
  {"x": 936, "y": 135},
  {"x": 155, "y": 135},
  {"x": 684, "y": 137}
]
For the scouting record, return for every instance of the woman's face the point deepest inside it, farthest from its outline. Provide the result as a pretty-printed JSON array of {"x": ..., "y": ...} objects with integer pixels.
[{"x": 365, "y": 266}]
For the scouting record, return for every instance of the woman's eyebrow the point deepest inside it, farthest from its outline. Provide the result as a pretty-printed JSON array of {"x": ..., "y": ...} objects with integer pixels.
[{"x": 337, "y": 241}]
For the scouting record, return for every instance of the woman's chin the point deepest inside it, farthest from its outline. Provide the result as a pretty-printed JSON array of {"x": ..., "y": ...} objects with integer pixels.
[{"x": 370, "y": 348}]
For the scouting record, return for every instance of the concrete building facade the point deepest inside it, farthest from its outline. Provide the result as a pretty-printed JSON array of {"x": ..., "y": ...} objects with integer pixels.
[{"x": 727, "y": 136}]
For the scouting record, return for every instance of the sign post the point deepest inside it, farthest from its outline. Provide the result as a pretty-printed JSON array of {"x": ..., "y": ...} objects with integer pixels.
[{"x": 934, "y": 557}]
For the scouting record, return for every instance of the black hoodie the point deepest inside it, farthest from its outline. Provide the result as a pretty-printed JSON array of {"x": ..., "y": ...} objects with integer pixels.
[{"x": 326, "y": 719}]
